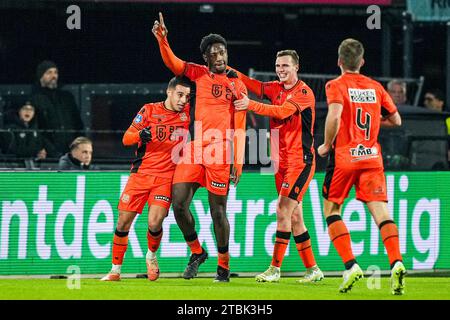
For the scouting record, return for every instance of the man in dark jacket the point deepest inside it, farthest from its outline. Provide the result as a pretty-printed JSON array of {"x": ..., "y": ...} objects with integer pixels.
[
  {"x": 23, "y": 138},
  {"x": 79, "y": 157},
  {"x": 56, "y": 109}
]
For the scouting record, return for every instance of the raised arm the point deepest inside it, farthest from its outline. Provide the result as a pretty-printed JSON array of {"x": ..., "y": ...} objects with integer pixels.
[{"x": 175, "y": 64}]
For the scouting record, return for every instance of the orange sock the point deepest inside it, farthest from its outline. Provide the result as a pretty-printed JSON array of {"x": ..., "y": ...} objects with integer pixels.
[
  {"x": 120, "y": 244},
  {"x": 341, "y": 240},
  {"x": 193, "y": 243},
  {"x": 154, "y": 239},
  {"x": 303, "y": 244},
  {"x": 389, "y": 234},
  {"x": 281, "y": 243},
  {"x": 224, "y": 257}
]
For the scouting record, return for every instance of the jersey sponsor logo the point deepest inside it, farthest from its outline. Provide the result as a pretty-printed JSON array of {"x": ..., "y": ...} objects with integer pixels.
[
  {"x": 162, "y": 198},
  {"x": 218, "y": 184},
  {"x": 125, "y": 198},
  {"x": 285, "y": 185},
  {"x": 362, "y": 152},
  {"x": 138, "y": 118},
  {"x": 177, "y": 133},
  {"x": 362, "y": 95},
  {"x": 216, "y": 90}
]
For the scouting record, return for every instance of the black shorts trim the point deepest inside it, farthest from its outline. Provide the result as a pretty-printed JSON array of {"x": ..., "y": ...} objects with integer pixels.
[{"x": 300, "y": 182}]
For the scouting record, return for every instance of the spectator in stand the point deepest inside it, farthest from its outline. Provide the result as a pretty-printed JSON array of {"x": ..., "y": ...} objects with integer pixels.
[
  {"x": 434, "y": 100},
  {"x": 397, "y": 90},
  {"x": 23, "y": 138},
  {"x": 79, "y": 157},
  {"x": 56, "y": 109}
]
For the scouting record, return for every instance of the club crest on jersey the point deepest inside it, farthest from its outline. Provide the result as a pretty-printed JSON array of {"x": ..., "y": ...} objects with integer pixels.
[
  {"x": 161, "y": 132},
  {"x": 216, "y": 90},
  {"x": 125, "y": 198},
  {"x": 138, "y": 118},
  {"x": 361, "y": 152},
  {"x": 183, "y": 116},
  {"x": 362, "y": 95}
]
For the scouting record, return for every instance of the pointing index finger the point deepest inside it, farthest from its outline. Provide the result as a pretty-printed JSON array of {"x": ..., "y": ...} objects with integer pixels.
[{"x": 161, "y": 19}]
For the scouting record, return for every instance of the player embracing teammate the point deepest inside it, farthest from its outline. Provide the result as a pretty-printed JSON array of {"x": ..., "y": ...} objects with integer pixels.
[{"x": 219, "y": 128}]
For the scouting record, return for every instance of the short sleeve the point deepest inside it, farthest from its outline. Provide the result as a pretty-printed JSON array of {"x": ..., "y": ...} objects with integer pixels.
[
  {"x": 334, "y": 94},
  {"x": 388, "y": 106}
]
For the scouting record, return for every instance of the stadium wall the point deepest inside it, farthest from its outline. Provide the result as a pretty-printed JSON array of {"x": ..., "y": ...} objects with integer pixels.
[{"x": 52, "y": 221}]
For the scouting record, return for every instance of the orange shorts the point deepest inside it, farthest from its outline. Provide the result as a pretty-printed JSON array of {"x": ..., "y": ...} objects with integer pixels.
[
  {"x": 144, "y": 188},
  {"x": 199, "y": 167},
  {"x": 293, "y": 183},
  {"x": 370, "y": 184},
  {"x": 216, "y": 178}
]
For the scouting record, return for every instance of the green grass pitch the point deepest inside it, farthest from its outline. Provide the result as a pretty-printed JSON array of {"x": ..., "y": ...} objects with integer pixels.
[{"x": 427, "y": 288}]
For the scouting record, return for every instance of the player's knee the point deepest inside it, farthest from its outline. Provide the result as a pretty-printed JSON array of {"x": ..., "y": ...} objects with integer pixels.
[
  {"x": 154, "y": 223},
  {"x": 282, "y": 214},
  {"x": 179, "y": 207},
  {"x": 218, "y": 215},
  {"x": 296, "y": 219},
  {"x": 124, "y": 222}
]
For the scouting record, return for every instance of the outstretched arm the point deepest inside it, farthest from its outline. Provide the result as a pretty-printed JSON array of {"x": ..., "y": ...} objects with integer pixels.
[
  {"x": 175, "y": 64},
  {"x": 253, "y": 85},
  {"x": 280, "y": 112}
]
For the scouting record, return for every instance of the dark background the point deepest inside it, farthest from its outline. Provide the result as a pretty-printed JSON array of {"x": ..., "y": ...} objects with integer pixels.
[{"x": 115, "y": 43}]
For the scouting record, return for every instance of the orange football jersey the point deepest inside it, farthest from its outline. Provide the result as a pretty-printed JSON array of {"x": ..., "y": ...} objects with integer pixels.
[
  {"x": 214, "y": 95},
  {"x": 168, "y": 128},
  {"x": 364, "y": 102},
  {"x": 296, "y": 133}
]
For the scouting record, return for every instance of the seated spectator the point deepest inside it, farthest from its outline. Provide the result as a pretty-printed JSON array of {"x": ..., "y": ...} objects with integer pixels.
[
  {"x": 397, "y": 90},
  {"x": 56, "y": 109},
  {"x": 23, "y": 138},
  {"x": 434, "y": 100},
  {"x": 79, "y": 157}
]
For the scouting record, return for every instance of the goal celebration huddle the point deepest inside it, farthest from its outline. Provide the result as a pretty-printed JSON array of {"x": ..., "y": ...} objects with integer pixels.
[{"x": 171, "y": 165}]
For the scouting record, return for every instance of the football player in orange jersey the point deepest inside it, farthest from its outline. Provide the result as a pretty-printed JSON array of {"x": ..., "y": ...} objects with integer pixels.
[
  {"x": 357, "y": 107},
  {"x": 292, "y": 113},
  {"x": 156, "y": 129},
  {"x": 215, "y": 118}
]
